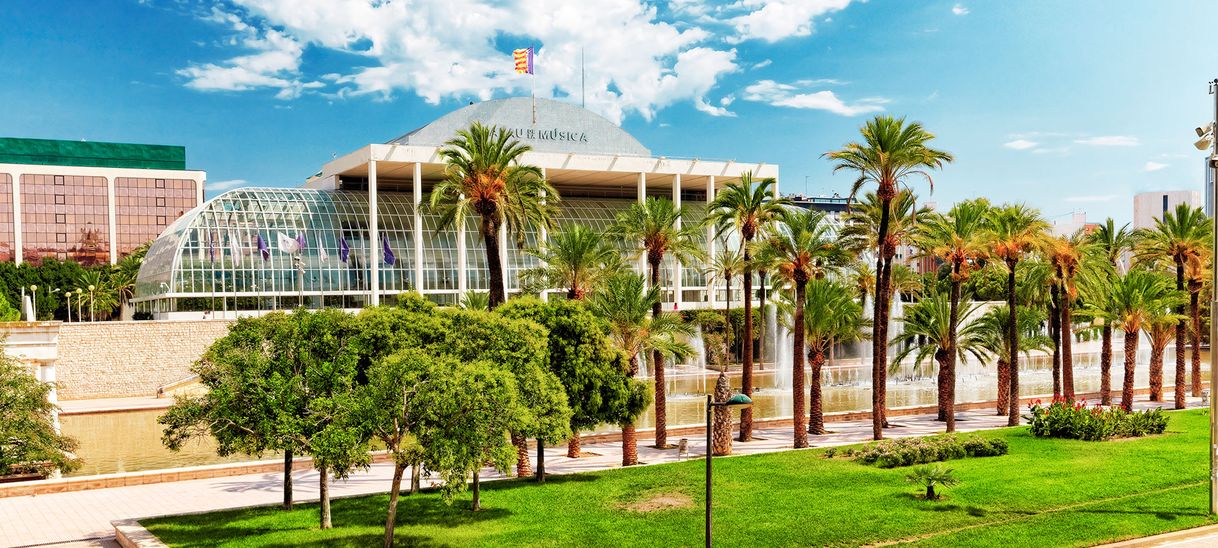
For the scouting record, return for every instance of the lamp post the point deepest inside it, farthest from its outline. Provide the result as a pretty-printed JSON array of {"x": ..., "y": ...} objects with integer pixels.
[
  {"x": 68, "y": 296},
  {"x": 92, "y": 318},
  {"x": 1207, "y": 140},
  {"x": 80, "y": 294},
  {"x": 739, "y": 401},
  {"x": 54, "y": 291},
  {"x": 34, "y": 292}
]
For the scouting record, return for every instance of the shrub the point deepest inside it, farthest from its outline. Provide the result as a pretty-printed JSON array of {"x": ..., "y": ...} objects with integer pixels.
[
  {"x": 1074, "y": 420},
  {"x": 930, "y": 476},
  {"x": 911, "y": 451}
]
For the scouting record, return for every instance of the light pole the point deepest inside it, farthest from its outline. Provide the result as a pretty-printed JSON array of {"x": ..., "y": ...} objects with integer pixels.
[
  {"x": 68, "y": 296},
  {"x": 739, "y": 401},
  {"x": 1207, "y": 140},
  {"x": 92, "y": 318},
  {"x": 80, "y": 294},
  {"x": 34, "y": 292},
  {"x": 53, "y": 291}
]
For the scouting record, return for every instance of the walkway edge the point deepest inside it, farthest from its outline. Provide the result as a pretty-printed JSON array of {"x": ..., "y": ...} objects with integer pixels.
[
  {"x": 1174, "y": 536},
  {"x": 130, "y": 534}
]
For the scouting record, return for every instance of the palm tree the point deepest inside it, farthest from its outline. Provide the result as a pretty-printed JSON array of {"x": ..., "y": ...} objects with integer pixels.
[
  {"x": 745, "y": 206},
  {"x": 800, "y": 248},
  {"x": 1160, "y": 329},
  {"x": 891, "y": 153},
  {"x": 484, "y": 177},
  {"x": 862, "y": 279},
  {"x": 654, "y": 228},
  {"x": 474, "y": 300},
  {"x": 1197, "y": 273},
  {"x": 956, "y": 239},
  {"x": 1182, "y": 237},
  {"x": 993, "y": 329},
  {"x": 625, "y": 303},
  {"x": 933, "y": 319},
  {"x": 1014, "y": 231},
  {"x": 1065, "y": 254},
  {"x": 577, "y": 258},
  {"x": 1107, "y": 243},
  {"x": 1139, "y": 296},
  {"x": 831, "y": 316},
  {"x": 1096, "y": 282}
]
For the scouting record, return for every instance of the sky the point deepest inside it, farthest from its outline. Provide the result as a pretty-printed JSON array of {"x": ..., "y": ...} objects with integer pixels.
[{"x": 1065, "y": 106}]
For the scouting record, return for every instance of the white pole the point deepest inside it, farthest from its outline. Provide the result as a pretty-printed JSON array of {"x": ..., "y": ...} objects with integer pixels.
[{"x": 374, "y": 238}]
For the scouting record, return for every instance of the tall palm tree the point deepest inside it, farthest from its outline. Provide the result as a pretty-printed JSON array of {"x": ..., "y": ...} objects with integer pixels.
[
  {"x": 725, "y": 266},
  {"x": 1014, "y": 231},
  {"x": 625, "y": 303},
  {"x": 800, "y": 248},
  {"x": 933, "y": 320},
  {"x": 993, "y": 330},
  {"x": 891, "y": 153},
  {"x": 1160, "y": 330},
  {"x": 1065, "y": 254},
  {"x": 1182, "y": 237},
  {"x": 1107, "y": 244},
  {"x": 577, "y": 258},
  {"x": 654, "y": 228},
  {"x": 831, "y": 316},
  {"x": 1139, "y": 296},
  {"x": 745, "y": 206},
  {"x": 956, "y": 239},
  {"x": 862, "y": 279},
  {"x": 1197, "y": 274},
  {"x": 484, "y": 177},
  {"x": 1096, "y": 282}
]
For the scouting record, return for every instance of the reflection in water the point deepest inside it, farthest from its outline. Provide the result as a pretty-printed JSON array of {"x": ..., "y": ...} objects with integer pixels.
[{"x": 131, "y": 441}]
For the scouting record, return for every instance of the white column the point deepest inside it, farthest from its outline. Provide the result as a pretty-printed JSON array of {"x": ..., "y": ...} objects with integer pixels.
[
  {"x": 678, "y": 285},
  {"x": 17, "y": 251},
  {"x": 543, "y": 235},
  {"x": 418, "y": 227},
  {"x": 710, "y": 241},
  {"x": 503, "y": 243},
  {"x": 113, "y": 221},
  {"x": 641, "y": 265},
  {"x": 374, "y": 239},
  {"x": 462, "y": 260}
]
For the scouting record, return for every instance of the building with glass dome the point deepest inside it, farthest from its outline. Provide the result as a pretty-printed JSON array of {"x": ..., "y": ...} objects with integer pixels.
[{"x": 357, "y": 234}]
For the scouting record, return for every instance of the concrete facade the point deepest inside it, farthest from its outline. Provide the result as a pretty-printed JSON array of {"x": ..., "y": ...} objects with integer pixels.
[{"x": 1148, "y": 206}]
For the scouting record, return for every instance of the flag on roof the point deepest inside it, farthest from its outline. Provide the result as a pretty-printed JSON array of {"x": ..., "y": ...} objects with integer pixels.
[{"x": 523, "y": 59}]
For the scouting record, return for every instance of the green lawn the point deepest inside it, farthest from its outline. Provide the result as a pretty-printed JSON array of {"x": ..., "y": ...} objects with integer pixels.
[{"x": 1045, "y": 492}]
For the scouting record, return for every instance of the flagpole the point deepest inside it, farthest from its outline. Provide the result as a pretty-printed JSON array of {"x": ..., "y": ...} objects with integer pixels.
[
  {"x": 533, "y": 72},
  {"x": 582, "y": 80}
]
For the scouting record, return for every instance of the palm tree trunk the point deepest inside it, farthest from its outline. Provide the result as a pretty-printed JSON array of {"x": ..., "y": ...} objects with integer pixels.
[
  {"x": 1131, "y": 355},
  {"x": 1156, "y": 371},
  {"x": 761, "y": 275},
  {"x": 746, "y": 381},
  {"x": 721, "y": 430},
  {"x": 1194, "y": 311},
  {"x": 941, "y": 357},
  {"x": 323, "y": 493},
  {"x": 1181, "y": 332},
  {"x": 394, "y": 492},
  {"x": 573, "y": 445},
  {"x": 1106, "y": 365},
  {"x": 1004, "y": 386},
  {"x": 1055, "y": 333},
  {"x": 816, "y": 415},
  {"x": 523, "y": 468},
  {"x": 879, "y": 315},
  {"x": 287, "y": 479},
  {"x": 947, "y": 389},
  {"x": 1013, "y": 339},
  {"x": 885, "y": 303},
  {"x": 1067, "y": 337},
  {"x": 630, "y": 445},
  {"x": 476, "y": 505},
  {"x": 657, "y": 360},
  {"x": 797, "y": 367},
  {"x": 490, "y": 237}
]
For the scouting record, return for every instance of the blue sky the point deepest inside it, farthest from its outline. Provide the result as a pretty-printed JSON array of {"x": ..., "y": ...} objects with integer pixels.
[{"x": 1063, "y": 105}]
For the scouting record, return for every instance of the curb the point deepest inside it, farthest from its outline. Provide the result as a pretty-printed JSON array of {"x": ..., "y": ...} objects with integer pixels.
[{"x": 1166, "y": 538}]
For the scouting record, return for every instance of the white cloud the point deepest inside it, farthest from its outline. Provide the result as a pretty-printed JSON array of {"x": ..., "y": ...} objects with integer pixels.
[
  {"x": 1153, "y": 166},
  {"x": 1109, "y": 141},
  {"x": 1089, "y": 198},
  {"x": 712, "y": 110},
  {"x": 787, "y": 95},
  {"x": 1020, "y": 144},
  {"x": 225, "y": 185},
  {"x": 959, "y": 9},
  {"x": 763, "y": 64},
  {"x": 774, "y": 20}
]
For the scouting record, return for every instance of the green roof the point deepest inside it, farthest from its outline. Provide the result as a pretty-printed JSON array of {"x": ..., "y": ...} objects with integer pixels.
[{"x": 91, "y": 154}]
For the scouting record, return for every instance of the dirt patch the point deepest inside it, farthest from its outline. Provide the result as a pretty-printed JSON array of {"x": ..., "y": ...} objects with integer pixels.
[{"x": 660, "y": 502}]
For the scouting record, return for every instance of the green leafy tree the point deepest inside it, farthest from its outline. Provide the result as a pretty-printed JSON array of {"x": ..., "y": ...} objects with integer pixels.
[
  {"x": 8, "y": 313},
  {"x": 891, "y": 153},
  {"x": 28, "y": 440},
  {"x": 625, "y": 303},
  {"x": 932, "y": 332},
  {"x": 485, "y": 178},
  {"x": 745, "y": 207}
]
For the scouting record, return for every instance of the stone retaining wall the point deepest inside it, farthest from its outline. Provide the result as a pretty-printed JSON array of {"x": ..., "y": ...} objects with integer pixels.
[{"x": 124, "y": 359}]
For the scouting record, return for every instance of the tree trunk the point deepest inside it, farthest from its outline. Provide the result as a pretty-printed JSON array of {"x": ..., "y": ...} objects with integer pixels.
[
  {"x": 1004, "y": 386},
  {"x": 323, "y": 492},
  {"x": 415, "y": 477},
  {"x": 287, "y": 479},
  {"x": 1055, "y": 333},
  {"x": 1194, "y": 310},
  {"x": 746, "y": 381},
  {"x": 573, "y": 446},
  {"x": 879, "y": 321},
  {"x": 797, "y": 366},
  {"x": 541, "y": 461},
  {"x": 930, "y": 492},
  {"x": 1013, "y": 340},
  {"x": 394, "y": 492},
  {"x": 761, "y": 276},
  {"x": 947, "y": 388},
  {"x": 884, "y": 302},
  {"x": 1156, "y": 371},
  {"x": 816, "y": 415},
  {"x": 1131, "y": 355},
  {"x": 1106, "y": 365},
  {"x": 721, "y": 430},
  {"x": 1067, "y": 337},
  {"x": 490, "y": 237},
  {"x": 1181, "y": 332},
  {"x": 657, "y": 360},
  {"x": 727, "y": 318},
  {"x": 630, "y": 448},
  {"x": 476, "y": 505},
  {"x": 523, "y": 468}
]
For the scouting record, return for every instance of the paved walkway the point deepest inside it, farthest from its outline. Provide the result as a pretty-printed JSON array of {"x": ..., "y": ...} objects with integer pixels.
[{"x": 83, "y": 518}]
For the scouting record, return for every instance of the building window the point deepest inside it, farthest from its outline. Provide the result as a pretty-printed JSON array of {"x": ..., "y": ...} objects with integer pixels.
[
  {"x": 160, "y": 201},
  {"x": 61, "y": 218},
  {"x": 160, "y": 183},
  {"x": 1164, "y": 203},
  {"x": 61, "y": 237},
  {"x": 60, "y": 199},
  {"x": 58, "y": 179},
  {"x": 160, "y": 220}
]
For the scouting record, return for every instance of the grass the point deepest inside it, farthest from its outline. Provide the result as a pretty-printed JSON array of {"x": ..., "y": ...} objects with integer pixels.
[{"x": 1046, "y": 492}]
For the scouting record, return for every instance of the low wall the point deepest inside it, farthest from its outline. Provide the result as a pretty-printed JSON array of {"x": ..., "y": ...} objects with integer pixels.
[{"x": 124, "y": 359}]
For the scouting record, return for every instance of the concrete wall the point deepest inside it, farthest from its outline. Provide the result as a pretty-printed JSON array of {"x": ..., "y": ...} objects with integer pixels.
[{"x": 122, "y": 359}]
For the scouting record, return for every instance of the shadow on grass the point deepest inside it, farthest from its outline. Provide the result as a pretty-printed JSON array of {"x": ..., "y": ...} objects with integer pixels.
[{"x": 1165, "y": 515}]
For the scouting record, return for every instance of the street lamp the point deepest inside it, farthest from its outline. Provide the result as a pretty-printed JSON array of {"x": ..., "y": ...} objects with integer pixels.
[
  {"x": 34, "y": 291},
  {"x": 1208, "y": 140},
  {"x": 80, "y": 293},
  {"x": 738, "y": 401},
  {"x": 91, "y": 316}
]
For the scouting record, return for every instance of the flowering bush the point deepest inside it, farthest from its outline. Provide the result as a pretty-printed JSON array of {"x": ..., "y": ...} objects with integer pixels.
[
  {"x": 1074, "y": 420},
  {"x": 910, "y": 451}
]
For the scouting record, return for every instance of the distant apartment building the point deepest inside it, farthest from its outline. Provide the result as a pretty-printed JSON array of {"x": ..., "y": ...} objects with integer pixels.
[
  {"x": 1149, "y": 206},
  {"x": 88, "y": 201}
]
